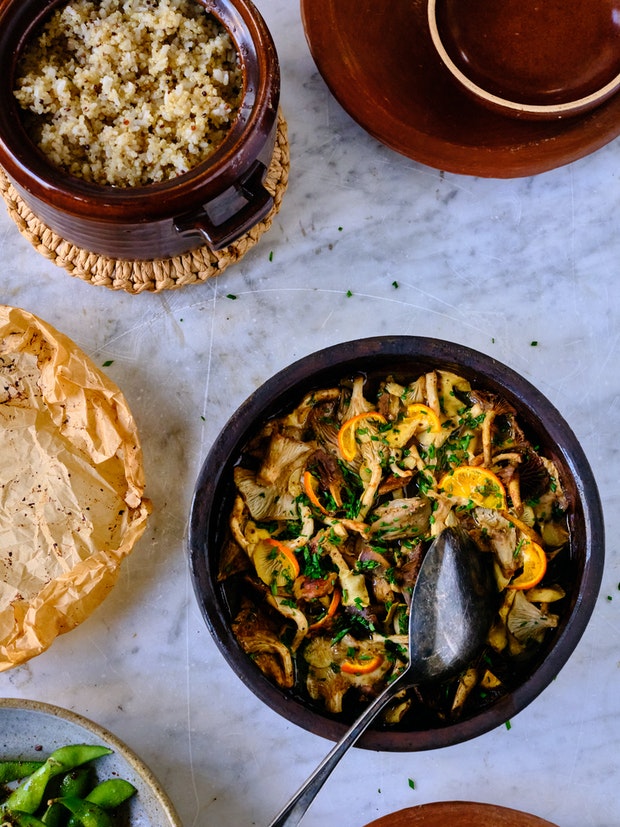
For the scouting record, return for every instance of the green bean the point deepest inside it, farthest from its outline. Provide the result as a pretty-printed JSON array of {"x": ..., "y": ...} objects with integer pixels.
[
  {"x": 28, "y": 796},
  {"x": 87, "y": 813},
  {"x": 16, "y": 770}
]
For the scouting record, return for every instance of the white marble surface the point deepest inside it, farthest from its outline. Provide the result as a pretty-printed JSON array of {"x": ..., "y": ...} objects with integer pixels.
[{"x": 491, "y": 264}]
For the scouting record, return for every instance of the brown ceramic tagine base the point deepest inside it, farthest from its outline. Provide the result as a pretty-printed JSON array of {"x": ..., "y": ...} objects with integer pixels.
[
  {"x": 158, "y": 274},
  {"x": 459, "y": 814}
]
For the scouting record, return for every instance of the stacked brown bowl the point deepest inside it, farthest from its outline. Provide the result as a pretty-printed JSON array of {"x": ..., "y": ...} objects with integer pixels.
[{"x": 530, "y": 59}]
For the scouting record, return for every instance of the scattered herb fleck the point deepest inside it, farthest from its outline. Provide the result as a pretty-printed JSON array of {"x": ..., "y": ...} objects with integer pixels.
[
  {"x": 508, "y": 725},
  {"x": 349, "y": 293},
  {"x": 395, "y": 285},
  {"x": 271, "y": 255},
  {"x": 534, "y": 343},
  {"x": 231, "y": 296},
  {"x": 412, "y": 783},
  {"x": 339, "y": 229},
  {"x": 203, "y": 418},
  {"x": 609, "y": 597},
  {"x": 108, "y": 362}
]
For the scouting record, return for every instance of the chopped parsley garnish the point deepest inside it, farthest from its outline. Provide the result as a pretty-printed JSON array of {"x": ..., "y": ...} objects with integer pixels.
[
  {"x": 315, "y": 565},
  {"x": 362, "y": 566},
  {"x": 352, "y": 624}
]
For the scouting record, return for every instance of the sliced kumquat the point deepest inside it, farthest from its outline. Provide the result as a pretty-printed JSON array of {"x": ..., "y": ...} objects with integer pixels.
[
  {"x": 348, "y": 433},
  {"x": 534, "y": 566},
  {"x": 331, "y": 611},
  {"x": 362, "y": 665},
  {"x": 275, "y": 563},
  {"x": 311, "y": 487},
  {"x": 477, "y": 484}
]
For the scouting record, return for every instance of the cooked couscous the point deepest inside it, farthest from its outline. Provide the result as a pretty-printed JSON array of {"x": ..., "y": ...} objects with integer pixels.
[{"x": 129, "y": 92}]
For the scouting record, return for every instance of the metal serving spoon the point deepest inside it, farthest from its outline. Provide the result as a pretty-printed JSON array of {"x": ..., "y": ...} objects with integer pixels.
[{"x": 451, "y": 611}]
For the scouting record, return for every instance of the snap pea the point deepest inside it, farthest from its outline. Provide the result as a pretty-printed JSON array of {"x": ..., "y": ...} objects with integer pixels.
[
  {"x": 16, "y": 770},
  {"x": 28, "y": 796},
  {"x": 87, "y": 813}
]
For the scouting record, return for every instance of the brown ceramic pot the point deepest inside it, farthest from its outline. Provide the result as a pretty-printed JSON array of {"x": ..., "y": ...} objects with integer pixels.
[
  {"x": 403, "y": 357},
  {"x": 215, "y": 203}
]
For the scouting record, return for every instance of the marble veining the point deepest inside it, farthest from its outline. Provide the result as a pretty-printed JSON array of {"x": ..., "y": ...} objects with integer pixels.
[{"x": 367, "y": 243}]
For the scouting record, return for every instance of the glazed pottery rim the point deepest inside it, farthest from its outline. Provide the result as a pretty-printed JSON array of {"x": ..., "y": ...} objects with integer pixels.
[
  {"x": 24, "y": 162},
  {"x": 269, "y": 400},
  {"x": 108, "y": 738},
  {"x": 442, "y": 813},
  {"x": 510, "y": 107}
]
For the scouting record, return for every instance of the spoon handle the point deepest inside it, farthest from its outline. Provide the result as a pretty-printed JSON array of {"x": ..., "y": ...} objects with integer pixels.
[{"x": 294, "y": 811}]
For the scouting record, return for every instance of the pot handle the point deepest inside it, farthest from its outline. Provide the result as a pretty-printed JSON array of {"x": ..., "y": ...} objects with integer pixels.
[{"x": 218, "y": 235}]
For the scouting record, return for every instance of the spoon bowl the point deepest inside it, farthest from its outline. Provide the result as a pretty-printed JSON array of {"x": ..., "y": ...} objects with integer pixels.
[{"x": 452, "y": 608}]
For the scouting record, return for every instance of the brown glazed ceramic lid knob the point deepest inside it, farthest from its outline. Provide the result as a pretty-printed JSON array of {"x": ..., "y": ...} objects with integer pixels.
[{"x": 560, "y": 54}]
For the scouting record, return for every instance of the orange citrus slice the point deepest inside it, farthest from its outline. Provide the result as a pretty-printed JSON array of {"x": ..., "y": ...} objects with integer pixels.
[
  {"x": 311, "y": 487},
  {"x": 275, "y": 563},
  {"x": 534, "y": 566},
  {"x": 477, "y": 484},
  {"x": 348, "y": 433},
  {"x": 362, "y": 665},
  {"x": 331, "y": 611}
]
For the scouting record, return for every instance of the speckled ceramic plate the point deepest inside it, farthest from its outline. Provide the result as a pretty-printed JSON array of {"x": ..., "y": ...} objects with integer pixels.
[
  {"x": 379, "y": 62},
  {"x": 30, "y": 730},
  {"x": 459, "y": 814}
]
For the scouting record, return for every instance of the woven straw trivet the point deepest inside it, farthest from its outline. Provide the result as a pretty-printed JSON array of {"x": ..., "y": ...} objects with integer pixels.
[{"x": 157, "y": 274}]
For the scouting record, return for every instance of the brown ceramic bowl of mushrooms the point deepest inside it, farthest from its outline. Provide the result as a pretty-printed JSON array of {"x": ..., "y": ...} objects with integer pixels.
[{"x": 318, "y": 500}]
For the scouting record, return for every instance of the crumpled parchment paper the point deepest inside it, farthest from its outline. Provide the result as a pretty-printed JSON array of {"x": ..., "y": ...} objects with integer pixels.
[{"x": 71, "y": 485}]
